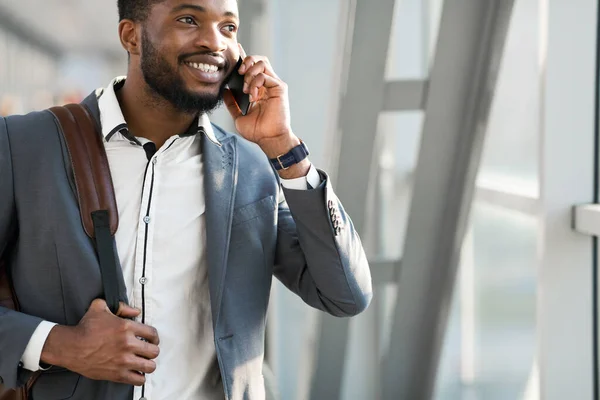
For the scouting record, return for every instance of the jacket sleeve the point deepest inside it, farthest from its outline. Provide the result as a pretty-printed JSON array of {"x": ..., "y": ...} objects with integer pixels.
[
  {"x": 15, "y": 328},
  {"x": 321, "y": 260}
]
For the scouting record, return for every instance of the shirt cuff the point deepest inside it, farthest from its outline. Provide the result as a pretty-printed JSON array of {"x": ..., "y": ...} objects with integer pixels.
[
  {"x": 311, "y": 180},
  {"x": 33, "y": 351}
]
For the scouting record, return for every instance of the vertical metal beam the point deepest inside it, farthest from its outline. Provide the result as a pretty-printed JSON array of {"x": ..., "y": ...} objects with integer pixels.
[
  {"x": 362, "y": 99},
  {"x": 463, "y": 77},
  {"x": 566, "y": 269},
  {"x": 405, "y": 95}
]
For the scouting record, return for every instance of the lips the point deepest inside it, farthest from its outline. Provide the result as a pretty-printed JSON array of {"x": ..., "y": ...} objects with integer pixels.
[
  {"x": 205, "y": 73},
  {"x": 206, "y": 68}
]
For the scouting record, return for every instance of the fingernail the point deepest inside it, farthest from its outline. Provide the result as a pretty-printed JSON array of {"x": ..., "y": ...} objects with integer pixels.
[
  {"x": 242, "y": 69},
  {"x": 245, "y": 89}
]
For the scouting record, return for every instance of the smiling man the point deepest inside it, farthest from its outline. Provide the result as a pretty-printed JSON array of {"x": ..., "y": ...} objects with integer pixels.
[{"x": 206, "y": 219}]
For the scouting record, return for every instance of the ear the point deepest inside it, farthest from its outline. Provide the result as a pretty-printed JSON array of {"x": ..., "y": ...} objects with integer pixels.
[{"x": 130, "y": 34}]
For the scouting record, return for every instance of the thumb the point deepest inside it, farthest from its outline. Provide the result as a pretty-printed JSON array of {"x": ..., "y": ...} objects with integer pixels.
[
  {"x": 231, "y": 104},
  {"x": 98, "y": 305},
  {"x": 126, "y": 311}
]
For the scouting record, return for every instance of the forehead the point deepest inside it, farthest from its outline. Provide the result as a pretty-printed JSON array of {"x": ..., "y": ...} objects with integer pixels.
[{"x": 209, "y": 7}]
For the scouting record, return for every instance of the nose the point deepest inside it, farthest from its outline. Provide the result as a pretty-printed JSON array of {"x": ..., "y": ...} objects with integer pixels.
[{"x": 211, "y": 38}]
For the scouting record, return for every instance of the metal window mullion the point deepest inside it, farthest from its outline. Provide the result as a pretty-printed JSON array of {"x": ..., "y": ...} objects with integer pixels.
[
  {"x": 362, "y": 77},
  {"x": 406, "y": 95},
  {"x": 510, "y": 201},
  {"x": 470, "y": 46}
]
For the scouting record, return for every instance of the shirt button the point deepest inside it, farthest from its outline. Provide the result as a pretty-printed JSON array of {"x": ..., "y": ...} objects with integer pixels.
[
  {"x": 143, "y": 398},
  {"x": 147, "y": 219},
  {"x": 143, "y": 280},
  {"x": 154, "y": 161}
]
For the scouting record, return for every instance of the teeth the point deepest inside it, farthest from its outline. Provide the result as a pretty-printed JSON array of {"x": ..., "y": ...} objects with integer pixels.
[{"x": 204, "y": 67}]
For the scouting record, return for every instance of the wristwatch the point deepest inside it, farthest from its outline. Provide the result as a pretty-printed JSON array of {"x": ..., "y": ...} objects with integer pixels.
[{"x": 293, "y": 157}]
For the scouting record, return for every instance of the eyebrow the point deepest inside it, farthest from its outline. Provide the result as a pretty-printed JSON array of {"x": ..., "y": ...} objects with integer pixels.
[{"x": 196, "y": 7}]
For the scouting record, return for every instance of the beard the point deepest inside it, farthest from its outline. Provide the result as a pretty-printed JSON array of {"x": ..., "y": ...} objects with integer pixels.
[{"x": 165, "y": 82}]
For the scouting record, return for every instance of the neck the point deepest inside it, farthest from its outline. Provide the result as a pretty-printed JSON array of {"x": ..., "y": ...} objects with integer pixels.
[{"x": 148, "y": 115}]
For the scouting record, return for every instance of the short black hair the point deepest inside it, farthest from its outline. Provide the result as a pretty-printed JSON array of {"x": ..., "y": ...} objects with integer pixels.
[{"x": 135, "y": 10}]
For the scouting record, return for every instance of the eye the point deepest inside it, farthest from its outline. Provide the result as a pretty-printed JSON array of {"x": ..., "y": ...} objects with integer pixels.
[
  {"x": 231, "y": 28},
  {"x": 187, "y": 20}
]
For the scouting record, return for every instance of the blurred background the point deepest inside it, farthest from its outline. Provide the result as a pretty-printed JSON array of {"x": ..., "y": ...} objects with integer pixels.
[{"x": 459, "y": 134}]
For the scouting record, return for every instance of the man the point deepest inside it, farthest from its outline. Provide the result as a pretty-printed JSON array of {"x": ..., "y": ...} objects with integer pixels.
[{"x": 204, "y": 224}]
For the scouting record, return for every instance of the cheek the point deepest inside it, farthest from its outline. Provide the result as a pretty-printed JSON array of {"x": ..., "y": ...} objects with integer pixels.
[{"x": 174, "y": 45}]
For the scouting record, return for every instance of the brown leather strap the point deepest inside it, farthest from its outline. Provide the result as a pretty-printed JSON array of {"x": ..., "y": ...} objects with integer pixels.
[
  {"x": 96, "y": 198},
  {"x": 97, "y": 203},
  {"x": 22, "y": 392},
  {"x": 32, "y": 380},
  {"x": 90, "y": 166}
]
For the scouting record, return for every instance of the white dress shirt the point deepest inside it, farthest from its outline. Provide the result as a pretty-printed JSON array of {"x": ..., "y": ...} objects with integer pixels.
[{"x": 161, "y": 242}]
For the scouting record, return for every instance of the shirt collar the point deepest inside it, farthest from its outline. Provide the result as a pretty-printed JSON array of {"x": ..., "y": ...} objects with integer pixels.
[{"x": 112, "y": 120}]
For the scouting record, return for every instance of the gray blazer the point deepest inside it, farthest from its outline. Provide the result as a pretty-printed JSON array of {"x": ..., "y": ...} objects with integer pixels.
[{"x": 253, "y": 234}]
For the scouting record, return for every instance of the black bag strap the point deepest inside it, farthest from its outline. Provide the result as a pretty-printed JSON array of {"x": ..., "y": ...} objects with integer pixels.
[
  {"x": 95, "y": 191},
  {"x": 108, "y": 260}
]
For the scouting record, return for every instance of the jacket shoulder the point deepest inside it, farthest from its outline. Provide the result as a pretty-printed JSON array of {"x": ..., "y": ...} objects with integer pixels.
[
  {"x": 33, "y": 136},
  {"x": 31, "y": 125}
]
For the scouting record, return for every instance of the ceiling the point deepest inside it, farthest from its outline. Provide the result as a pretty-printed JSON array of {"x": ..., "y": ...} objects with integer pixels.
[{"x": 71, "y": 25}]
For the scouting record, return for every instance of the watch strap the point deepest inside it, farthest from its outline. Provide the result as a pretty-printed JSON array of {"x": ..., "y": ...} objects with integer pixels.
[{"x": 294, "y": 156}]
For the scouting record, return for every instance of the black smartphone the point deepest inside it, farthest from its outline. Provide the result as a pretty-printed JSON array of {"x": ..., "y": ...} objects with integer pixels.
[{"x": 236, "y": 85}]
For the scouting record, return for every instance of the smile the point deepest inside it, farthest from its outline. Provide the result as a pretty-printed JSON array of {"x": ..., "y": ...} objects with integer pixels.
[
  {"x": 208, "y": 74},
  {"x": 213, "y": 69}
]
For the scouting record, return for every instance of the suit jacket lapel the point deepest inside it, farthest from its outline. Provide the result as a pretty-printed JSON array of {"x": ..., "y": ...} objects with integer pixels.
[{"x": 220, "y": 181}]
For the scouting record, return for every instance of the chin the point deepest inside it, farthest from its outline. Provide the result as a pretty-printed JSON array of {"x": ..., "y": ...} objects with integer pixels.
[
  {"x": 203, "y": 88},
  {"x": 205, "y": 92}
]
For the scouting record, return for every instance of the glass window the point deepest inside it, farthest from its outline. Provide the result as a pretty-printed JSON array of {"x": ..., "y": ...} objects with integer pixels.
[
  {"x": 490, "y": 343},
  {"x": 510, "y": 158},
  {"x": 489, "y": 350},
  {"x": 413, "y": 37},
  {"x": 400, "y": 133}
]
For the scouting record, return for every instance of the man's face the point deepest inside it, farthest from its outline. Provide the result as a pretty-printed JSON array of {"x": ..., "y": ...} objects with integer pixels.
[{"x": 189, "y": 49}]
